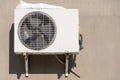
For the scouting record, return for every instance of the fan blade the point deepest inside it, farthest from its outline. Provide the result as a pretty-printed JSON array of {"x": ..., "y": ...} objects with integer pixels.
[
  {"x": 32, "y": 27},
  {"x": 28, "y": 24},
  {"x": 46, "y": 38},
  {"x": 41, "y": 29},
  {"x": 48, "y": 31},
  {"x": 30, "y": 39}
]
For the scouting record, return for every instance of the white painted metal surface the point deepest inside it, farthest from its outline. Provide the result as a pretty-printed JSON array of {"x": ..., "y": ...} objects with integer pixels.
[{"x": 67, "y": 24}]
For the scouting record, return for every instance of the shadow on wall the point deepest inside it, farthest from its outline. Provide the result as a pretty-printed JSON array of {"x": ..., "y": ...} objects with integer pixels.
[{"x": 43, "y": 64}]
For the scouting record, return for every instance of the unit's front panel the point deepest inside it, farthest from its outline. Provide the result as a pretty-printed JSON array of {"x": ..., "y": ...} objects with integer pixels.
[{"x": 46, "y": 30}]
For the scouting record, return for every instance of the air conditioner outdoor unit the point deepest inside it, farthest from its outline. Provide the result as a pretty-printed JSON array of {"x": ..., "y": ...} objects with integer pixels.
[{"x": 46, "y": 31}]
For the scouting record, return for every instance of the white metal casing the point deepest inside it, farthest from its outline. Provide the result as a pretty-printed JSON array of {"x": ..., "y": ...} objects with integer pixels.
[{"x": 66, "y": 40}]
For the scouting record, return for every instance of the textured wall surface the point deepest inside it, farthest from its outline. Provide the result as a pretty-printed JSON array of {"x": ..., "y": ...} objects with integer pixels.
[{"x": 99, "y": 60}]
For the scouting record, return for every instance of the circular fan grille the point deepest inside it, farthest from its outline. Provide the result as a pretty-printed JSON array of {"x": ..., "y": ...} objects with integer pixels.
[{"x": 36, "y": 30}]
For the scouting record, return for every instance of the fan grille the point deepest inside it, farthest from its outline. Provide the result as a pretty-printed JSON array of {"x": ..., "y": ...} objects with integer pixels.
[{"x": 37, "y": 30}]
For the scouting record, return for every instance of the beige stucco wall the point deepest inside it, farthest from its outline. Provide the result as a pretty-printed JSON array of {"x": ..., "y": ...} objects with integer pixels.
[{"x": 99, "y": 60}]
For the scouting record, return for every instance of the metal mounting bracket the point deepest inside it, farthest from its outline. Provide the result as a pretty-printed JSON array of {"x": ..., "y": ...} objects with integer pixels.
[
  {"x": 26, "y": 63},
  {"x": 66, "y": 65}
]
